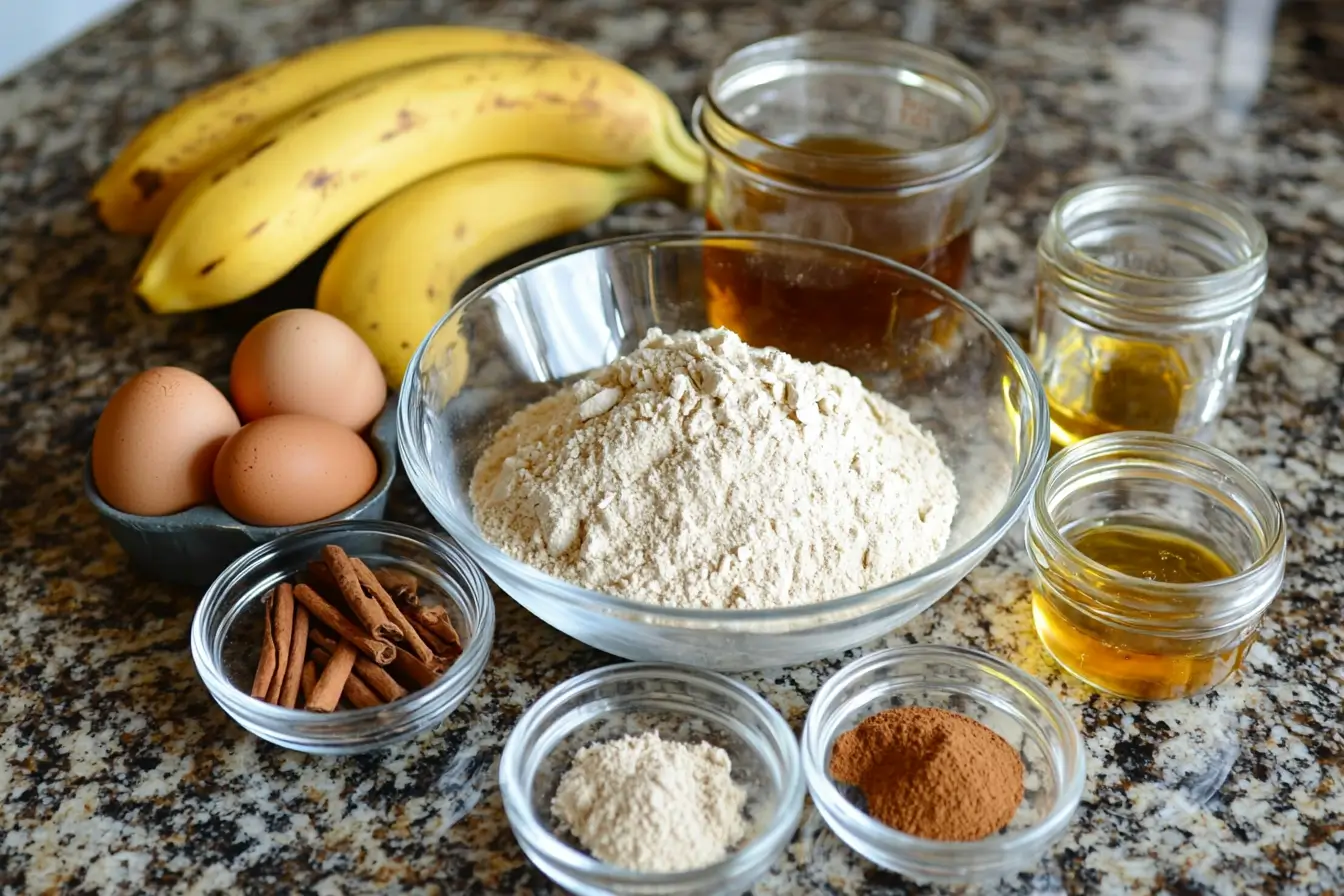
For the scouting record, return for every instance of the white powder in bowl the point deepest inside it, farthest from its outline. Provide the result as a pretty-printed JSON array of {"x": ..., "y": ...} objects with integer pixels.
[
  {"x": 698, "y": 471},
  {"x": 649, "y": 804}
]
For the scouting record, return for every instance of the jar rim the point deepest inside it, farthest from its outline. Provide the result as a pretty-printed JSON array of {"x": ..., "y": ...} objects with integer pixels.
[
  {"x": 897, "y": 171},
  {"x": 1232, "y": 285},
  {"x": 1149, "y": 444}
]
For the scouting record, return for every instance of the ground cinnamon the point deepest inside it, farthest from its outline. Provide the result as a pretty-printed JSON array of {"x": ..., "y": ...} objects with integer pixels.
[{"x": 931, "y": 773}]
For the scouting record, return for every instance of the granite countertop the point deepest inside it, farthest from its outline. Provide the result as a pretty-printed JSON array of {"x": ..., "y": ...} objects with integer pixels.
[{"x": 118, "y": 773}]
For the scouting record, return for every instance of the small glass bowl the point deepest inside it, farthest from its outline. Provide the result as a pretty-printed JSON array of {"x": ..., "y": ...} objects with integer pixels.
[
  {"x": 225, "y": 635},
  {"x": 679, "y": 703},
  {"x": 996, "y": 694}
]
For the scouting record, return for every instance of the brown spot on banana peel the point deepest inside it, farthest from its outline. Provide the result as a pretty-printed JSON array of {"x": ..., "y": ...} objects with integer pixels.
[
  {"x": 210, "y": 266},
  {"x": 406, "y": 121},
  {"x": 459, "y": 233},
  {"x": 147, "y": 181},
  {"x": 256, "y": 229},
  {"x": 259, "y": 149},
  {"x": 320, "y": 179}
]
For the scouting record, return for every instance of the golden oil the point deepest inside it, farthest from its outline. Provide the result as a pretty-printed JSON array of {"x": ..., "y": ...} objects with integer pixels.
[
  {"x": 1113, "y": 657},
  {"x": 1145, "y": 290},
  {"x": 1098, "y": 384}
]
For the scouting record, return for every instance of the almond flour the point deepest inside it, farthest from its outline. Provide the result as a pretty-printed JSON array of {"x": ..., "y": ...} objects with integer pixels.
[
  {"x": 649, "y": 804},
  {"x": 698, "y": 471}
]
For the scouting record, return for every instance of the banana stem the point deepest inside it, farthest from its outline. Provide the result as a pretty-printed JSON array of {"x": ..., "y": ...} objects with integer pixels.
[
  {"x": 646, "y": 182},
  {"x": 679, "y": 155}
]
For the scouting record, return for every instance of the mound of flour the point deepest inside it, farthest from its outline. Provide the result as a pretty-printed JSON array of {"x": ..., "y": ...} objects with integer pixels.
[{"x": 698, "y": 471}]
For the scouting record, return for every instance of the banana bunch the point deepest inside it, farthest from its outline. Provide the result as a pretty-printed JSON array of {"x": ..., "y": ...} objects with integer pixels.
[{"x": 448, "y": 147}]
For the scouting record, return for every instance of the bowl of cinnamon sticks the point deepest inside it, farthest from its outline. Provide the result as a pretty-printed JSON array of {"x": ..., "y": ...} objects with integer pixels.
[{"x": 344, "y": 637}]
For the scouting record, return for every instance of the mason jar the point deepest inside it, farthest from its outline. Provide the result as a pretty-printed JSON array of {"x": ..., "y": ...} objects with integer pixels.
[
  {"x": 1145, "y": 288},
  {"x": 854, "y": 139},
  {"x": 1130, "y": 631}
]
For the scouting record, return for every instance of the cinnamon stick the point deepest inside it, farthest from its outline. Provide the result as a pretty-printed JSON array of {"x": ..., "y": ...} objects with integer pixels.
[
  {"x": 376, "y": 676},
  {"x": 381, "y": 652},
  {"x": 282, "y": 629},
  {"x": 331, "y": 683},
  {"x": 261, "y": 681},
  {"x": 441, "y": 649},
  {"x": 399, "y": 583},
  {"x": 356, "y": 691},
  {"x": 367, "y": 610},
  {"x": 410, "y": 668},
  {"x": 321, "y": 576},
  {"x": 436, "y": 621},
  {"x": 298, "y": 648},
  {"x": 375, "y": 588},
  {"x": 309, "y": 681}
]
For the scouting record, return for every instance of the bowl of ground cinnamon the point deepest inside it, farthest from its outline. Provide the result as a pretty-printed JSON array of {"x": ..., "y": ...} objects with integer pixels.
[
  {"x": 944, "y": 764},
  {"x": 344, "y": 637}
]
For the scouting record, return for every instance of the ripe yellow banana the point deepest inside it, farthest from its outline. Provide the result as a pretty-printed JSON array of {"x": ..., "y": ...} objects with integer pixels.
[
  {"x": 136, "y": 191},
  {"x": 250, "y": 218},
  {"x": 396, "y": 271}
]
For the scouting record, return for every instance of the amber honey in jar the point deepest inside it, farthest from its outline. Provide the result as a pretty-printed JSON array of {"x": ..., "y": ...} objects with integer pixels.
[
  {"x": 1155, "y": 558},
  {"x": 865, "y": 141},
  {"x": 1145, "y": 288}
]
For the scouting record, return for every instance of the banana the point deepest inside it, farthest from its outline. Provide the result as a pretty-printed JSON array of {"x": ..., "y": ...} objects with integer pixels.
[
  {"x": 136, "y": 191},
  {"x": 250, "y": 218},
  {"x": 396, "y": 271}
]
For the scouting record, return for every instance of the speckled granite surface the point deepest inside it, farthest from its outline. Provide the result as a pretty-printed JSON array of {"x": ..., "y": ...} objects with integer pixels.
[{"x": 117, "y": 772}]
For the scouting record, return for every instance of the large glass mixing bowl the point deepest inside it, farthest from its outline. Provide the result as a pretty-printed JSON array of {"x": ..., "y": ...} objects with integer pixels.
[{"x": 913, "y": 340}]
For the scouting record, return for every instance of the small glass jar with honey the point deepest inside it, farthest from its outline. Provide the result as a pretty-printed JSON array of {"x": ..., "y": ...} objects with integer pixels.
[
  {"x": 1155, "y": 557},
  {"x": 856, "y": 139},
  {"x": 1145, "y": 288}
]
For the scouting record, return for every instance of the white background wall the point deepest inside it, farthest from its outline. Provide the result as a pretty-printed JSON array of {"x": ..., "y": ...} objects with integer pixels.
[{"x": 29, "y": 28}]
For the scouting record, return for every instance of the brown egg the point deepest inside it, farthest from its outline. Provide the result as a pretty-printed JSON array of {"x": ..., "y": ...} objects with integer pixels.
[
  {"x": 156, "y": 441},
  {"x": 304, "y": 361},
  {"x": 291, "y": 469}
]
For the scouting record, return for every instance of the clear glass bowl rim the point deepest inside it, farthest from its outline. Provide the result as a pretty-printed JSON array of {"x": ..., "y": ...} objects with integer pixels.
[
  {"x": 520, "y": 813},
  {"x": 1134, "y": 190},
  {"x": 951, "y": 853},
  {"x": 1148, "y": 445},
  {"x": 462, "y": 674},
  {"x": 952, "y": 161},
  {"x": 1026, "y": 473}
]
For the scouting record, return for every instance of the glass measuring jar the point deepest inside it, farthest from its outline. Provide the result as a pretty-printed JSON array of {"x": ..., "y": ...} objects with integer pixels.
[
  {"x": 1145, "y": 288},
  {"x": 865, "y": 141},
  {"x": 1136, "y": 629}
]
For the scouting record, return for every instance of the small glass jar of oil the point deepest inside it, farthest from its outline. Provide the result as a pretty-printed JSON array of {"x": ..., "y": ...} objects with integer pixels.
[
  {"x": 856, "y": 139},
  {"x": 1145, "y": 288},
  {"x": 1155, "y": 557}
]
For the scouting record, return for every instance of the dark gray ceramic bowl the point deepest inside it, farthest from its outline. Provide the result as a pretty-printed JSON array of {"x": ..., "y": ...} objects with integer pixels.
[{"x": 193, "y": 547}]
